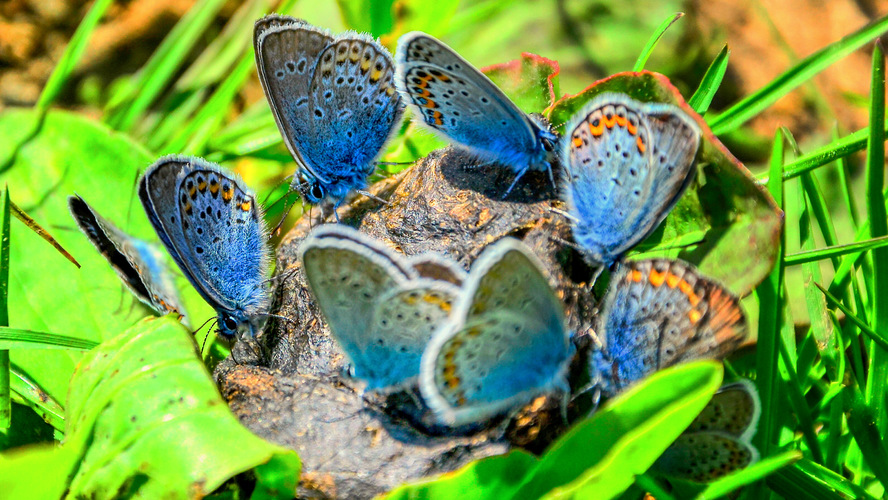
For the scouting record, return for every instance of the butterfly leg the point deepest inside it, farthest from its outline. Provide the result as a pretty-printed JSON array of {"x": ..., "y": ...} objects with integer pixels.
[{"x": 517, "y": 178}]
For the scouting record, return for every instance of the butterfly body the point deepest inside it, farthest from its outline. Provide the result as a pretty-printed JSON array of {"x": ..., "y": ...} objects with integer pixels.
[
  {"x": 138, "y": 263},
  {"x": 333, "y": 99},
  {"x": 381, "y": 307},
  {"x": 212, "y": 227},
  {"x": 504, "y": 344},
  {"x": 457, "y": 101},
  {"x": 626, "y": 165}
]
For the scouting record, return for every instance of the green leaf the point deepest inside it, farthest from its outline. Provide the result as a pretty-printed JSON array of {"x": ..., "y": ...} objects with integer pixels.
[
  {"x": 145, "y": 418},
  {"x": 47, "y": 294},
  {"x": 420, "y": 15},
  {"x": 530, "y": 82},
  {"x": 5, "y": 400},
  {"x": 710, "y": 83},
  {"x": 862, "y": 422},
  {"x": 31, "y": 223},
  {"x": 599, "y": 456},
  {"x": 825, "y": 155},
  {"x": 27, "y": 393},
  {"x": 652, "y": 41},
  {"x": 755, "y": 472},
  {"x": 849, "y": 314},
  {"x": 835, "y": 251},
  {"x": 725, "y": 223},
  {"x": 371, "y": 16},
  {"x": 753, "y": 104}
]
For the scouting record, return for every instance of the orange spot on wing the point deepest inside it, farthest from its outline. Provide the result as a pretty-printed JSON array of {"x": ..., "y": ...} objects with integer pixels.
[
  {"x": 656, "y": 278},
  {"x": 635, "y": 275},
  {"x": 671, "y": 280},
  {"x": 577, "y": 142},
  {"x": 694, "y": 316},
  {"x": 640, "y": 143},
  {"x": 245, "y": 206}
]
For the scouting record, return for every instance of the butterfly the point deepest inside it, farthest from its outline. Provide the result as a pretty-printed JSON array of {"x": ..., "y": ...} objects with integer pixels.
[
  {"x": 657, "y": 313},
  {"x": 138, "y": 264},
  {"x": 381, "y": 306},
  {"x": 504, "y": 343},
  {"x": 333, "y": 99},
  {"x": 717, "y": 443},
  {"x": 626, "y": 164},
  {"x": 457, "y": 101},
  {"x": 212, "y": 226}
]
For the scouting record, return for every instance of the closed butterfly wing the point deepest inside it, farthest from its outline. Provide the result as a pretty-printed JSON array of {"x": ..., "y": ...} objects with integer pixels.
[
  {"x": 706, "y": 456},
  {"x": 137, "y": 263},
  {"x": 378, "y": 308},
  {"x": 213, "y": 228},
  {"x": 286, "y": 51},
  {"x": 734, "y": 410},
  {"x": 657, "y": 313},
  {"x": 456, "y": 100},
  {"x": 505, "y": 343},
  {"x": 626, "y": 165}
]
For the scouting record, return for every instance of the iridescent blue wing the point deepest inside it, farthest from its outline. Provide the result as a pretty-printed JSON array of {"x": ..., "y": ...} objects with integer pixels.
[
  {"x": 137, "y": 263},
  {"x": 354, "y": 109},
  {"x": 505, "y": 343},
  {"x": 457, "y": 101},
  {"x": 626, "y": 165},
  {"x": 378, "y": 308},
  {"x": 286, "y": 51},
  {"x": 660, "y": 312},
  {"x": 213, "y": 228}
]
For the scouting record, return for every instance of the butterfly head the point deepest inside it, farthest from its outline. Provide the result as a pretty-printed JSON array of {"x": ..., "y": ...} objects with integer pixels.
[{"x": 237, "y": 324}]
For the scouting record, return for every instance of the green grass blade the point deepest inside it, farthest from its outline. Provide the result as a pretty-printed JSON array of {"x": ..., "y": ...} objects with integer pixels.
[
  {"x": 799, "y": 405},
  {"x": 130, "y": 104},
  {"x": 652, "y": 41},
  {"x": 864, "y": 327},
  {"x": 754, "y": 472},
  {"x": 804, "y": 257},
  {"x": 710, "y": 83},
  {"x": 878, "y": 280},
  {"x": 771, "y": 297},
  {"x": 864, "y": 428},
  {"x": 738, "y": 114},
  {"x": 808, "y": 480},
  {"x": 75, "y": 48},
  {"x": 836, "y": 150},
  {"x": 15, "y": 338},
  {"x": 28, "y": 393},
  {"x": 5, "y": 402}
]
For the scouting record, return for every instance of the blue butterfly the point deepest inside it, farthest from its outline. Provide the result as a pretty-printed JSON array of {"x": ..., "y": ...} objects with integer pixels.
[
  {"x": 504, "y": 344},
  {"x": 138, "y": 264},
  {"x": 381, "y": 307},
  {"x": 212, "y": 226},
  {"x": 457, "y": 101},
  {"x": 333, "y": 99},
  {"x": 657, "y": 313},
  {"x": 626, "y": 165}
]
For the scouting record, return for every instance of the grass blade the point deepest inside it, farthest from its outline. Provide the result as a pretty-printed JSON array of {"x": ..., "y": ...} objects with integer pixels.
[
  {"x": 839, "y": 148},
  {"x": 771, "y": 296},
  {"x": 27, "y": 393},
  {"x": 652, "y": 41},
  {"x": 753, "y": 104},
  {"x": 129, "y": 105},
  {"x": 862, "y": 424},
  {"x": 5, "y": 402},
  {"x": 16, "y": 338},
  {"x": 835, "y": 251},
  {"x": 864, "y": 327},
  {"x": 711, "y": 81},
  {"x": 878, "y": 280}
]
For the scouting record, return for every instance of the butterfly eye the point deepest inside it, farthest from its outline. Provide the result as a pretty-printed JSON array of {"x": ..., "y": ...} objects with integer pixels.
[
  {"x": 230, "y": 324},
  {"x": 317, "y": 192}
]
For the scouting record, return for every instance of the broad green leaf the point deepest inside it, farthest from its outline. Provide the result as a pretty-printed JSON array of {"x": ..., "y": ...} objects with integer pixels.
[
  {"x": 599, "y": 456},
  {"x": 530, "y": 82},
  {"x": 368, "y": 16},
  {"x": 47, "y": 294},
  {"x": 145, "y": 419},
  {"x": 725, "y": 223}
]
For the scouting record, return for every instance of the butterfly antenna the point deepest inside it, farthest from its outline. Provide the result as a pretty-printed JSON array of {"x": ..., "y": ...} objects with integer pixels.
[
  {"x": 268, "y": 196},
  {"x": 203, "y": 325},
  {"x": 204, "y": 343},
  {"x": 373, "y": 197},
  {"x": 564, "y": 242},
  {"x": 395, "y": 163}
]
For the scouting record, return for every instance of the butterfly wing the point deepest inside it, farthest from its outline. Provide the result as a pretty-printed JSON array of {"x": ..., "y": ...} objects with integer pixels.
[
  {"x": 286, "y": 51},
  {"x": 138, "y": 264},
  {"x": 456, "y": 100},
  {"x": 626, "y": 165},
  {"x": 505, "y": 343},
  {"x": 353, "y": 109},
  {"x": 706, "y": 456},
  {"x": 433, "y": 266},
  {"x": 734, "y": 410},
  {"x": 213, "y": 228},
  {"x": 660, "y": 312},
  {"x": 377, "y": 307}
]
